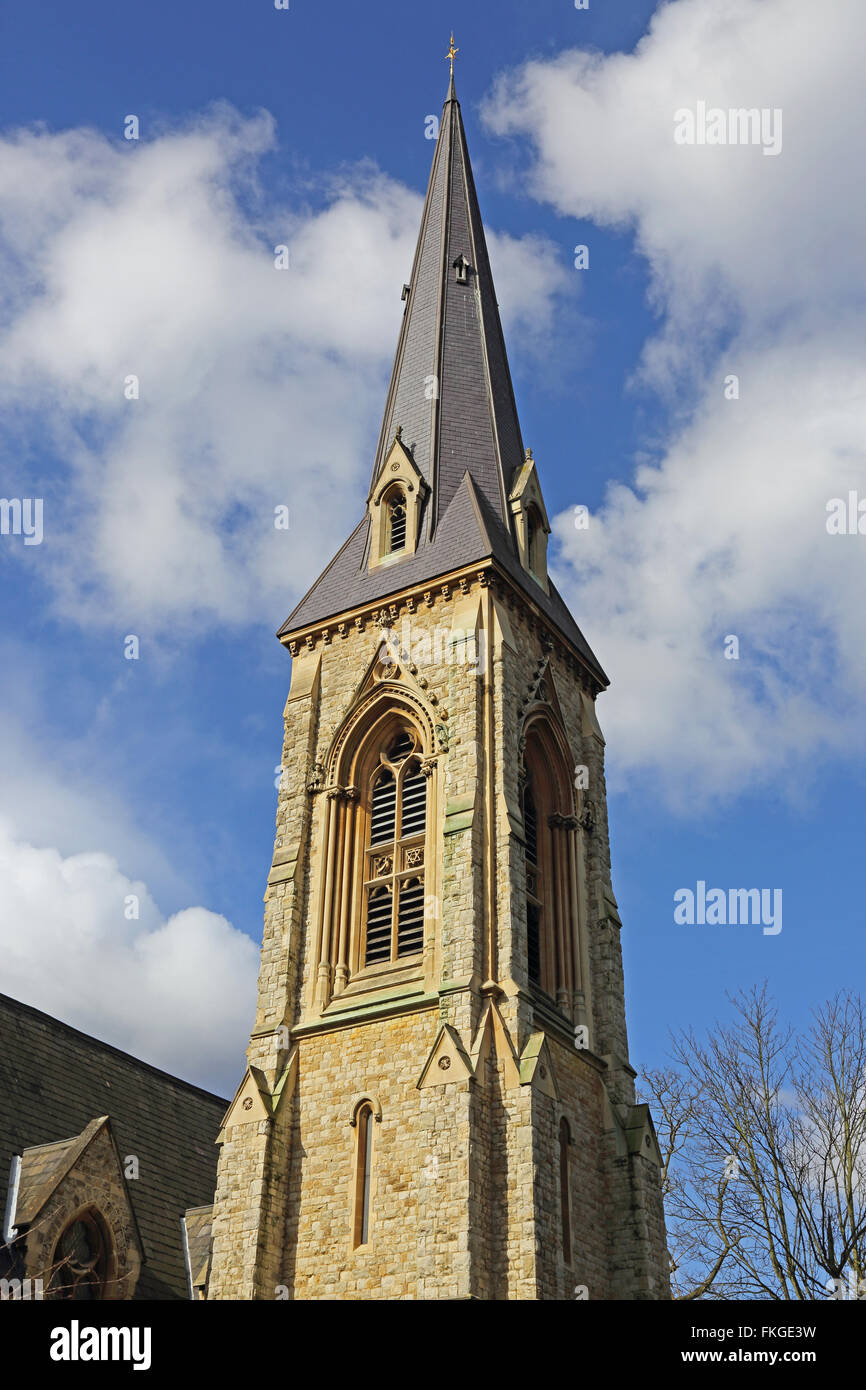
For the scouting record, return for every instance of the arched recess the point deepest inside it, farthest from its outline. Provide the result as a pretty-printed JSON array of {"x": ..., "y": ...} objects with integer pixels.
[
  {"x": 362, "y": 1197},
  {"x": 565, "y": 1221},
  {"x": 83, "y": 1263},
  {"x": 365, "y": 1098},
  {"x": 378, "y": 870},
  {"x": 536, "y": 542},
  {"x": 556, "y": 948}
]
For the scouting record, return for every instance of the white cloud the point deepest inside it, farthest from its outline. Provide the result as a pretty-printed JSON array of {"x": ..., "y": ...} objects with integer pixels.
[
  {"x": 258, "y": 387},
  {"x": 63, "y": 789},
  {"x": 755, "y": 266},
  {"x": 179, "y": 993}
]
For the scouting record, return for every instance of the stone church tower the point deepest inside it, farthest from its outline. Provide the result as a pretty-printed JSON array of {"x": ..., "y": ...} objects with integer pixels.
[{"x": 439, "y": 1102}]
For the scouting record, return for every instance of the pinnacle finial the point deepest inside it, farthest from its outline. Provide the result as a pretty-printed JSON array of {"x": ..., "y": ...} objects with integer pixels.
[{"x": 452, "y": 53}]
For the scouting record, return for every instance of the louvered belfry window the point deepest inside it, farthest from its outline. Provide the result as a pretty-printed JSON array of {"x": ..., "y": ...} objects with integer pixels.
[
  {"x": 396, "y": 522},
  {"x": 394, "y": 888}
]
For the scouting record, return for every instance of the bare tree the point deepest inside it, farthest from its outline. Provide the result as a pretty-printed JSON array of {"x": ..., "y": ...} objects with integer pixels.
[{"x": 763, "y": 1138}]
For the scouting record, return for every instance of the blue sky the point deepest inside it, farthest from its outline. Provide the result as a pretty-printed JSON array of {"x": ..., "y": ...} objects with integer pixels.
[{"x": 156, "y": 776}]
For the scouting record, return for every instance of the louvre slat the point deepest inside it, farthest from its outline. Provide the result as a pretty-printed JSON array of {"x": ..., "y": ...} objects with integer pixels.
[
  {"x": 410, "y": 917},
  {"x": 530, "y": 823},
  {"x": 414, "y": 809},
  {"x": 378, "y": 926},
  {"x": 401, "y": 749},
  {"x": 398, "y": 532},
  {"x": 397, "y": 518},
  {"x": 384, "y": 810},
  {"x": 379, "y": 949}
]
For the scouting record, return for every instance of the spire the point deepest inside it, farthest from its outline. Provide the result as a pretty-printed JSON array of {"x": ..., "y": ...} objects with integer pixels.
[
  {"x": 450, "y": 406},
  {"x": 451, "y": 387}
]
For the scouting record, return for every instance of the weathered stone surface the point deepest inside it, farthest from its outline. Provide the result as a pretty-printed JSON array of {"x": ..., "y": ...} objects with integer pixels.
[{"x": 465, "y": 1194}]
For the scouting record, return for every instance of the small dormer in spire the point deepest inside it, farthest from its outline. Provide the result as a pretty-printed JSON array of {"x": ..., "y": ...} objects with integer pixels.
[
  {"x": 394, "y": 507},
  {"x": 531, "y": 523}
]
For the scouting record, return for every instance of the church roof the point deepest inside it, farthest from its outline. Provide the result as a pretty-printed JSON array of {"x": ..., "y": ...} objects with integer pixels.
[
  {"x": 56, "y": 1081},
  {"x": 452, "y": 399}
]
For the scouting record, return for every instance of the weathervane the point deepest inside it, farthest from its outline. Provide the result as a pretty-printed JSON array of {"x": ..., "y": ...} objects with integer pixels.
[{"x": 452, "y": 54}]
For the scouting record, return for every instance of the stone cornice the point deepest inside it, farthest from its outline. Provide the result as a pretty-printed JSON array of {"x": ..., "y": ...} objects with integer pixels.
[{"x": 418, "y": 598}]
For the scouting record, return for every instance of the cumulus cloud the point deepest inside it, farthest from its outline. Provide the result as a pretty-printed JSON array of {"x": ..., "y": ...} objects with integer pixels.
[
  {"x": 756, "y": 271},
  {"x": 63, "y": 790},
  {"x": 259, "y": 387},
  {"x": 179, "y": 993}
]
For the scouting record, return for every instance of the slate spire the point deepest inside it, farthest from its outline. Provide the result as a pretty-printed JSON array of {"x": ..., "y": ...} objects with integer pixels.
[
  {"x": 451, "y": 386},
  {"x": 451, "y": 405}
]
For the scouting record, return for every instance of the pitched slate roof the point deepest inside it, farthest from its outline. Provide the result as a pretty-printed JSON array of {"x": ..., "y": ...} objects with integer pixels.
[
  {"x": 55, "y": 1080},
  {"x": 452, "y": 335},
  {"x": 469, "y": 533},
  {"x": 452, "y": 396}
]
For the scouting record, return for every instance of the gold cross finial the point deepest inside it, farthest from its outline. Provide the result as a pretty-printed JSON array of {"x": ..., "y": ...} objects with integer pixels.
[{"x": 452, "y": 54}]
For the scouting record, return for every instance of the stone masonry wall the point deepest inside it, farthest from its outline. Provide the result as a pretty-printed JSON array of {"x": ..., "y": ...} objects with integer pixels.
[{"x": 465, "y": 1198}]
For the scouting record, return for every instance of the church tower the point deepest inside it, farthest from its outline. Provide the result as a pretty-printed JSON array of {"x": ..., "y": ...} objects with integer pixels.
[{"x": 439, "y": 1102}]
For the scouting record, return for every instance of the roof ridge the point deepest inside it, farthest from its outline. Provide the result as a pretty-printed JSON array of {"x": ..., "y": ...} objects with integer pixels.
[
  {"x": 469, "y": 482},
  {"x": 18, "y": 1004}
]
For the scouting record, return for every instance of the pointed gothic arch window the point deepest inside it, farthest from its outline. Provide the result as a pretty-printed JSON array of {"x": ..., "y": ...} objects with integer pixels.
[
  {"x": 363, "y": 1174},
  {"x": 395, "y": 852},
  {"x": 565, "y": 1189},
  {"x": 533, "y": 532},
  {"x": 376, "y": 868},
  {"x": 79, "y": 1265},
  {"x": 534, "y": 887},
  {"x": 550, "y": 871}
]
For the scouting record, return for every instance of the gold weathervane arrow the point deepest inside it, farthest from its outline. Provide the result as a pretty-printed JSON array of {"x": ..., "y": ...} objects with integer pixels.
[{"x": 452, "y": 54}]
